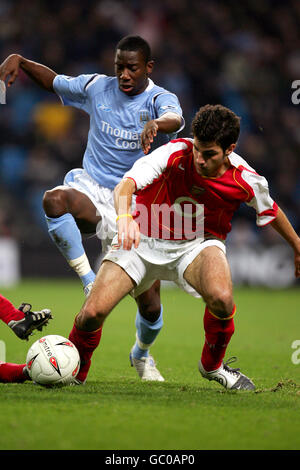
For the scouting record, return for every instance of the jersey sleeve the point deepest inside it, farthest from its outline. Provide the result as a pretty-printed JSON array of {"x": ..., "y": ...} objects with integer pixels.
[
  {"x": 73, "y": 91},
  {"x": 150, "y": 167},
  {"x": 166, "y": 102},
  {"x": 259, "y": 198}
]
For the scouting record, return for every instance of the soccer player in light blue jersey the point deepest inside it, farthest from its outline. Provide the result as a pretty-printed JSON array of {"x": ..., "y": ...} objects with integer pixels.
[{"x": 129, "y": 115}]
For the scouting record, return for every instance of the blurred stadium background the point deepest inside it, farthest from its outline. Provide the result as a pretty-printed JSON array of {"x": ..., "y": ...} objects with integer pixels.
[{"x": 244, "y": 55}]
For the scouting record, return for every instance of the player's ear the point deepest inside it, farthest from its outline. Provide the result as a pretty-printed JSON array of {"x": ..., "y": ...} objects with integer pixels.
[
  {"x": 149, "y": 66},
  {"x": 230, "y": 149}
]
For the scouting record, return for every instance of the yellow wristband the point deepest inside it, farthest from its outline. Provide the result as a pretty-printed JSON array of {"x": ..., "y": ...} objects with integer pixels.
[{"x": 123, "y": 215}]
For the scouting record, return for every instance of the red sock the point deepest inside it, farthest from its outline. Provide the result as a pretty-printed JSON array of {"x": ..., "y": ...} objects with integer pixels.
[
  {"x": 10, "y": 373},
  {"x": 86, "y": 342},
  {"x": 8, "y": 312},
  {"x": 217, "y": 336}
]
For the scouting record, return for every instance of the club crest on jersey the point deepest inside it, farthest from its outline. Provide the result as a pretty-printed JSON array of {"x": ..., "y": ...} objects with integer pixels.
[
  {"x": 197, "y": 190},
  {"x": 104, "y": 107},
  {"x": 144, "y": 116}
]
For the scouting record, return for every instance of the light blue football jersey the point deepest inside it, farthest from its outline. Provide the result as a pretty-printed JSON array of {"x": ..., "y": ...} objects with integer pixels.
[{"x": 116, "y": 121}]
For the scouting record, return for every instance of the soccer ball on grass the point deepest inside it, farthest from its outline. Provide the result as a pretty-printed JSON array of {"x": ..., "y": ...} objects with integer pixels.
[{"x": 53, "y": 361}]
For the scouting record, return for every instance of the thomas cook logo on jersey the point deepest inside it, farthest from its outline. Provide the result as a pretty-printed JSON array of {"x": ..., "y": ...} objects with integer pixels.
[{"x": 144, "y": 116}]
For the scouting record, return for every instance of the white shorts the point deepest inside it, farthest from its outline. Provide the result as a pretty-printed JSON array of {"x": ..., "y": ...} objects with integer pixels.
[
  {"x": 160, "y": 259},
  {"x": 103, "y": 200}
]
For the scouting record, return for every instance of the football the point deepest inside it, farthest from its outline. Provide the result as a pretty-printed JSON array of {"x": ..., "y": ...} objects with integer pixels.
[{"x": 53, "y": 361}]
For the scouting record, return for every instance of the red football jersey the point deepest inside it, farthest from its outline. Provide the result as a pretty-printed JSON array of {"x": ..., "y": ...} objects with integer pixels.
[{"x": 172, "y": 197}]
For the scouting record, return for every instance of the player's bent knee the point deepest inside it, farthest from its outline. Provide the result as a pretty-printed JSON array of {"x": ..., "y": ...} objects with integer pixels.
[
  {"x": 55, "y": 202},
  {"x": 149, "y": 304},
  {"x": 221, "y": 304},
  {"x": 90, "y": 317},
  {"x": 92, "y": 310},
  {"x": 150, "y": 312}
]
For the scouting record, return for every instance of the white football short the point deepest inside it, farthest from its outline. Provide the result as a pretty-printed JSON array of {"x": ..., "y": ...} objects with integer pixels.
[
  {"x": 103, "y": 200},
  {"x": 159, "y": 259}
]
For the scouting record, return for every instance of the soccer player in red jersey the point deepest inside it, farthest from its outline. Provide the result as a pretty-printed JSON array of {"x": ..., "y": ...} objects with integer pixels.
[{"x": 207, "y": 173}]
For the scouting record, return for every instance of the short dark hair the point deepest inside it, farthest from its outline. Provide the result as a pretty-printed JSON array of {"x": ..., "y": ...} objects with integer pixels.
[
  {"x": 135, "y": 43},
  {"x": 215, "y": 123}
]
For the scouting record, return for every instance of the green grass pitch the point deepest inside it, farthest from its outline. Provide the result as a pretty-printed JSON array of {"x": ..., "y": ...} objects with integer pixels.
[{"x": 115, "y": 410}]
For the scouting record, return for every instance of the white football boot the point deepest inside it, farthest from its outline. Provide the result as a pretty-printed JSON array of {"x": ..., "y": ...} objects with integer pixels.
[
  {"x": 146, "y": 368},
  {"x": 231, "y": 379}
]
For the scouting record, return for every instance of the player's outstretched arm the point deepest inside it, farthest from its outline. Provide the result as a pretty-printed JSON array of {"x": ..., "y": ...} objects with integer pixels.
[
  {"x": 167, "y": 123},
  {"x": 283, "y": 226},
  {"x": 128, "y": 229},
  {"x": 42, "y": 75}
]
